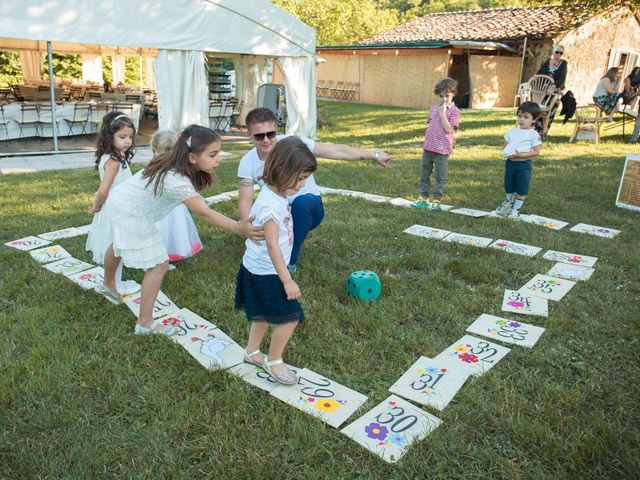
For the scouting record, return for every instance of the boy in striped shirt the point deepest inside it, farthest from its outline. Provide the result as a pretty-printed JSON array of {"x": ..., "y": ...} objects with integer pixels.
[{"x": 443, "y": 122}]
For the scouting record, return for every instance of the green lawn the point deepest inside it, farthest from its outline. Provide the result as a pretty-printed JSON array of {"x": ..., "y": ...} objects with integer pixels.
[{"x": 82, "y": 397}]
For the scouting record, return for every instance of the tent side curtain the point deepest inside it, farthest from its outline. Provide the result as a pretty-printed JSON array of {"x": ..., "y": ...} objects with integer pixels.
[
  {"x": 183, "y": 93},
  {"x": 300, "y": 94}
]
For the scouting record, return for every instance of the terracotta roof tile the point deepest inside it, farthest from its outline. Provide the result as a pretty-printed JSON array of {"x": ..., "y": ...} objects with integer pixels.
[{"x": 480, "y": 25}]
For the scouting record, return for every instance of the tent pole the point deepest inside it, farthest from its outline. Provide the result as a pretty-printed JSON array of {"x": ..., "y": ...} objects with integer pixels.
[
  {"x": 140, "y": 60},
  {"x": 52, "y": 93},
  {"x": 524, "y": 53}
]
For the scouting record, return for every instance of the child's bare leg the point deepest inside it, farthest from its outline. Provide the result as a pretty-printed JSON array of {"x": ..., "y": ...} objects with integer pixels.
[
  {"x": 279, "y": 340},
  {"x": 256, "y": 334},
  {"x": 111, "y": 263},
  {"x": 151, "y": 283}
]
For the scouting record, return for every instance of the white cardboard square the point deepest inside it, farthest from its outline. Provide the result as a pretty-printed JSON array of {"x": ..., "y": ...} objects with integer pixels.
[
  {"x": 222, "y": 197},
  {"x": 28, "y": 243},
  {"x": 187, "y": 324},
  {"x": 475, "y": 354},
  {"x": 544, "y": 286},
  {"x": 571, "y": 272},
  {"x": 517, "y": 248},
  {"x": 400, "y": 202},
  {"x": 427, "y": 232},
  {"x": 257, "y": 377},
  {"x": 570, "y": 258},
  {"x": 431, "y": 382},
  {"x": 470, "y": 212},
  {"x": 49, "y": 254},
  {"x": 214, "y": 349},
  {"x": 323, "y": 398},
  {"x": 550, "y": 223},
  {"x": 83, "y": 230},
  {"x": 517, "y": 302},
  {"x": 58, "y": 234},
  {"x": 506, "y": 331},
  {"x": 88, "y": 279},
  {"x": 391, "y": 427},
  {"x": 595, "y": 230},
  {"x": 468, "y": 240},
  {"x": 163, "y": 306},
  {"x": 68, "y": 266},
  {"x": 375, "y": 198}
]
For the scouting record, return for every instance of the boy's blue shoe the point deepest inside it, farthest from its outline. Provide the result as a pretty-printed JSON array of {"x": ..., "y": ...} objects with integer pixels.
[
  {"x": 435, "y": 205},
  {"x": 421, "y": 202},
  {"x": 292, "y": 268}
]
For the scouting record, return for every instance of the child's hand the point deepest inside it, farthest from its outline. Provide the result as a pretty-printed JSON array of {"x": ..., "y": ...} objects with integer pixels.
[
  {"x": 292, "y": 290},
  {"x": 94, "y": 209}
]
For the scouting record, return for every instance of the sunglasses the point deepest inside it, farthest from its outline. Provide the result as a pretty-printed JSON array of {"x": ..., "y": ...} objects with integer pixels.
[
  {"x": 259, "y": 137},
  {"x": 559, "y": 53}
]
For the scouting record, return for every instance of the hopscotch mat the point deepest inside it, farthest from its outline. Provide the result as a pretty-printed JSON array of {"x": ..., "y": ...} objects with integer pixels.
[
  {"x": 506, "y": 331},
  {"x": 475, "y": 355}
]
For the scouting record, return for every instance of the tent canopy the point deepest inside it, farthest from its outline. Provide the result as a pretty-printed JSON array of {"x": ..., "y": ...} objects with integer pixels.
[{"x": 144, "y": 27}]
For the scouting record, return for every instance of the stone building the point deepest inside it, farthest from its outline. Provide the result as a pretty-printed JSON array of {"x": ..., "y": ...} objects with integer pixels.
[{"x": 489, "y": 52}]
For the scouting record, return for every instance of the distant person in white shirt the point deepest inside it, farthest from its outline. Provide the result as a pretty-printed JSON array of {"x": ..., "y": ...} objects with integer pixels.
[
  {"x": 522, "y": 144},
  {"x": 306, "y": 205}
]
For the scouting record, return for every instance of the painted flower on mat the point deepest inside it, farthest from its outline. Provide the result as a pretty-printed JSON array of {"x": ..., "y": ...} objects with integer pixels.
[
  {"x": 397, "y": 439},
  {"x": 327, "y": 405},
  {"x": 514, "y": 324},
  {"x": 501, "y": 322},
  {"x": 575, "y": 259},
  {"x": 514, "y": 304},
  {"x": 173, "y": 321},
  {"x": 501, "y": 244},
  {"x": 376, "y": 431},
  {"x": 461, "y": 349},
  {"x": 468, "y": 357}
]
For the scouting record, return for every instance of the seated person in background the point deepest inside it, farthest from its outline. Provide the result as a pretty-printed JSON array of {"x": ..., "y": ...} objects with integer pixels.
[
  {"x": 606, "y": 95},
  {"x": 631, "y": 89},
  {"x": 556, "y": 68}
]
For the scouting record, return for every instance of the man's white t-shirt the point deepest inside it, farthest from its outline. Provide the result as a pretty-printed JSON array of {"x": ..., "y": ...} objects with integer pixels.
[
  {"x": 252, "y": 167},
  {"x": 269, "y": 206},
  {"x": 520, "y": 141}
]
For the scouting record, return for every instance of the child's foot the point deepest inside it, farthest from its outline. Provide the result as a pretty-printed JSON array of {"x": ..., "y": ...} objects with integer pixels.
[
  {"x": 514, "y": 214},
  {"x": 128, "y": 287},
  {"x": 292, "y": 268},
  {"x": 171, "y": 267},
  {"x": 421, "y": 202},
  {"x": 504, "y": 208},
  {"x": 155, "y": 329},
  {"x": 435, "y": 205},
  {"x": 279, "y": 371},
  {"x": 110, "y": 294},
  {"x": 254, "y": 358}
]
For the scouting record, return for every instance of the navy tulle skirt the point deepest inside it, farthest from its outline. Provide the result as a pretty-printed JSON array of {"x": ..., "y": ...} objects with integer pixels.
[{"x": 263, "y": 299}]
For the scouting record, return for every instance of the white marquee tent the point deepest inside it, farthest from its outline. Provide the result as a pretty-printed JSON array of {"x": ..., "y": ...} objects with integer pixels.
[{"x": 177, "y": 32}]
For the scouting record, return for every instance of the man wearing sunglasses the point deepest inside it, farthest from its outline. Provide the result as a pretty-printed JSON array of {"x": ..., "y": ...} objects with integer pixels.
[{"x": 306, "y": 205}]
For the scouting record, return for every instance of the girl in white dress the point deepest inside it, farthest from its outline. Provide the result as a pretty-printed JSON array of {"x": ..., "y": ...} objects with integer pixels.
[
  {"x": 114, "y": 152},
  {"x": 178, "y": 231},
  {"x": 134, "y": 206}
]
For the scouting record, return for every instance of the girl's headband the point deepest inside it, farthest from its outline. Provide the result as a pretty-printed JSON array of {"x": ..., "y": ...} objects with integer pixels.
[
  {"x": 188, "y": 142},
  {"x": 122, "y": 115}
]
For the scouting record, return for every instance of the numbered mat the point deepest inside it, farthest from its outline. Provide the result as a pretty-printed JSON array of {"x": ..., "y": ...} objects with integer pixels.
[
  {"x": 571, "y": 272},
  {"x": 401, "y": 202},
  {"x": 375, "y": 198},
  {"x": 517, "y": 248},
  {"x": 551, "y": 223},
  {"x": 187, "y": 324},
  {"x": 544, "y": 286},
  {"x": 470, "y": 212},
  {"x": 88, "y": 279},
  {"x": 595, "y": 230},
  {"x": 83, "y": 230},
  {"x": 516, "y": 302},
  {"x": 49, "y": 254},
  {"x": 468, "y": 240},
  {"x": 390, "y": 428},
  {"x": 257, "y": 376},
  {"x": 328, "y": 400},
  {"x": 213, "y": 349},
  {"x": 476, "y": 355},
  {"x": 58, "y": 234},
  {"x": 506, "y": 331},
  {"x": 163, "y": 306},
  {"x": 431, "y": 382},
  {"x": 68, "y": 266},
  {"x": 28, "y": 243},
  {"x": 427, "y": 232},
  {"x": 570, "y": 258}
]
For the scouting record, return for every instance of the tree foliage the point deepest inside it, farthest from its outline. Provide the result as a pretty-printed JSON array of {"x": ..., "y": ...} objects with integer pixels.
[{"x": 340, "y": 22}]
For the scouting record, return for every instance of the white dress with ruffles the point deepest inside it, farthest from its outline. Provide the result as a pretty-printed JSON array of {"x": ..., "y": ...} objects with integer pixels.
[
  {"x": 179, "y": 234},
  {"x": 94, "y": 242},
  {"x": 131, "y": 211}
]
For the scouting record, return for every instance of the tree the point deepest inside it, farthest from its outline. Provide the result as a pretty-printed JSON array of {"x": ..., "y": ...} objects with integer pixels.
[{"x": 341, "y": 22}]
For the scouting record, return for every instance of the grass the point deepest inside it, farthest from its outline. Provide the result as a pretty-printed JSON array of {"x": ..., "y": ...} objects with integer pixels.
[{"x": 81, "y": 397}]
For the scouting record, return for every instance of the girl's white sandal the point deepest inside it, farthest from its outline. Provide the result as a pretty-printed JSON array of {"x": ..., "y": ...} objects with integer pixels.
[{"x": 286, "y": 376}]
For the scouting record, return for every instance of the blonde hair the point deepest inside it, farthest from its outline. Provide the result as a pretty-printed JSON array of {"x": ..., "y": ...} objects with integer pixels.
[{"x": 163, "y": 141}]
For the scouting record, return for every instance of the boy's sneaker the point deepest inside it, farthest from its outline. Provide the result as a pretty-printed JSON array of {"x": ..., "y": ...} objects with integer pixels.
[
  {"x": 504, "y": 208},
  {"x": 435, "y": 205},
  {"x": 421, "y": 202},
  {"x": 513, "y": 214}
]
